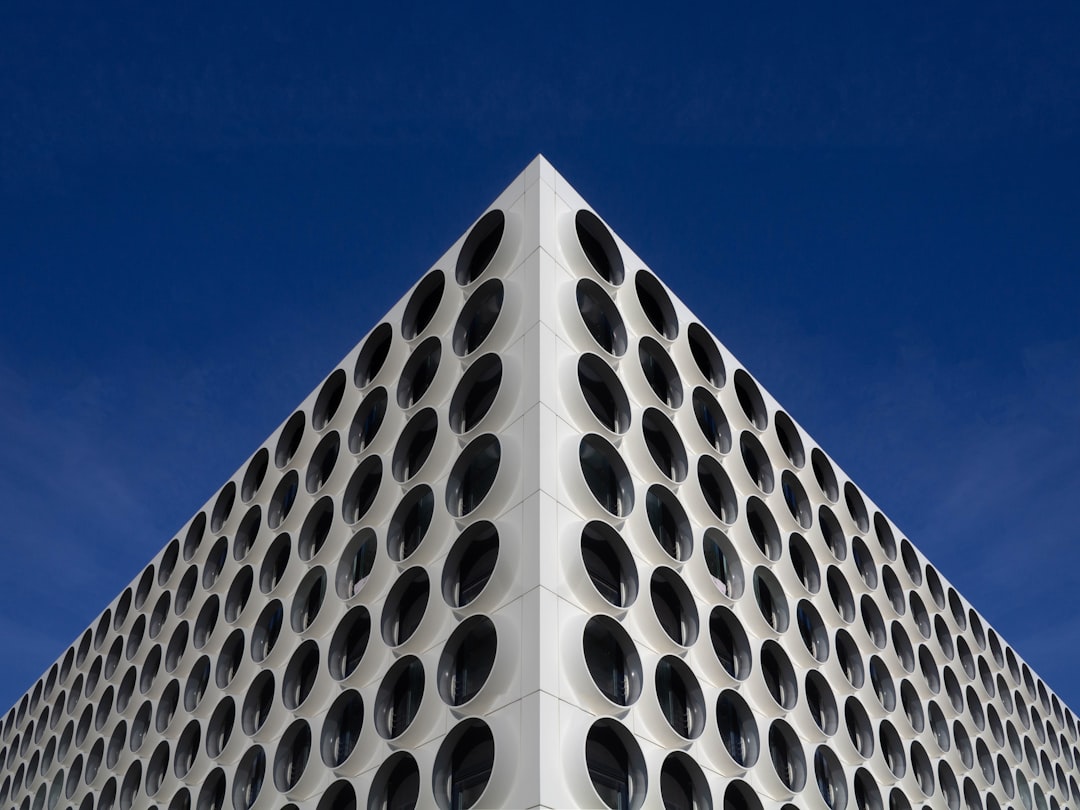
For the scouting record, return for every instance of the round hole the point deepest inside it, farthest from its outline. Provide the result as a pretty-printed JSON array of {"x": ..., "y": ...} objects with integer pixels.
[
  {"x": 419, "y": 372},
  {"x": 470, "y": 564},
  {"x": 410, "y": 522},
  {"x": 612, "y": 660},
  {"x": 606, "y": 475},
  {"x": 423, "y": 305},
  {"x": 674, "y": 606},
  {"x": 601, "y": 317},
  {"x": 599, "y": 247},
  {"x": 680, "y": 697},
  {"x": 349, "y": 642},
  {"x": 669, "y": 523},
  {"x": 294, "y": 750},
  {"x": 399, "y": 696},
  {"x": 609, "y": 564},
  {"x": 706, "y": 355},
  {"x": 367, "y": 420},
  {"x": 473, "y": 475},
  {"x": 656, "y": 304},
  {"x": 361, "y": 490},
  {"x": 738, "y": 728},
  {"x": 660, "y": 372},
  {"x": 415, "y": 445},
  {"x": 478, "y": 317},
  {"x": 475, "y": 393},
  {"x": 254, "y": 476},
  {"x": 480, "y": 247},
  {"x": 467, "y": 660},
  {"x": 322, "y": 462},
  {"x": 373, "y": 354},
  {"x": 405, "y": 606},
  {"x": 603, "y": 393},
  {"x": 329, "y": 399},
  {"x": 356, "y": 563},
  {"x": 615, "y": 764},
  {"x": 712, "y": 421}
]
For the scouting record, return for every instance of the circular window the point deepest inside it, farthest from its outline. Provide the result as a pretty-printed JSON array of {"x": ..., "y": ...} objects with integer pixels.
[
  {"x": 475, "y": 393},
  {"x": 329, "y": 399},
  {"x": 362, "y": 489},
  {"x": 804, "y": 562},
  {"x": 730, "y": 643},
  {"x": 316, "y": 529},
  {"x": 609, "y": 564},
  {"x": 293, "y": 754},
  {"x": 414, "y": 446},
  {"x": 664, "y": 444},
  {"x": 419, "y": 372},
  {"x": 248, "y": 780},
  {"x": 274, "y": 563},
  {"x": 601, "y": 317},
  {"x": 812, "y": 631},
  {"x": 473, "y": 475},
  {"x": 229, "y": 659},
  {"x": 470, "y": 564},
  {"x": 368, "y": 419},
  {"x": 237, "y": 598},
  {"x": 786, "y": 753},
  {"x": 779, "y": 676},
  {"x": 680, "y": 697},
  {"x": 857, "y": 509},
  {"x": 322, "y": 462},
  {"x": 373, "y": 354},
  {"x": 821, "y": 703},
  {"x": 706, "y": 355},
  {"x": 253, "y": 478},
  {"x": 712, "y": 421},
  {"x": 349, "y": 643},
  {"x": 682, "y": 783},
  {"x": 603, "y": 393},
  {"x": 723, "y": 563},
  {"x": 606, "y": 475},
  {"x": 478, "y": 317},
  {"x": 615, "y": 765},
  {"x": 399, "y": 696},
  {"x": 410, "y": 522},
  {"x": 219, "y": 729},
  {"x": 288, "y": 442},
  {"x": 212, "y": 795},
  {"x": 308, "y": 599},
  {"x": 770, "y": 599},
  {"x": 823, "y": 473},
  {"x": 612, "y": 660},
  {"x": 405, "y": 606},
  {"x": 674, "y": 606},
  {"x": 356, "y": 563},
  {"x": 467, "y": 660},
  {"x": 656, "y": 304},
  {"x": 463, "y": 765},
  {"x": 660, "y": 372},
  {"x": 763, "y": 528},
  {"x": 717, "y": 489},
  {"x": 795, "y": 498},
  {"x": 599, "y": 247},
  {"x": 267, "y": 630},
  {"x": 858, "y": 727},
  {"x": 829, "y": 775},
  {"x": 738, "y": 729},
  {"x": 342, "y": 728},
  {"x": 669, "y": 523},
  {"x": 300, "y": 675},
  {"x": 283, "y": 499},
  {"x": 885, "y": 536},
  {"x": 480, "y": 247},
  {"x": 423, "y": 305},
  {"x": 849, "y": 658}
]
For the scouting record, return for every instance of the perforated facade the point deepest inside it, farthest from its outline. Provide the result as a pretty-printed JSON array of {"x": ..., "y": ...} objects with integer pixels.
[{"x": 539, "y": 541}]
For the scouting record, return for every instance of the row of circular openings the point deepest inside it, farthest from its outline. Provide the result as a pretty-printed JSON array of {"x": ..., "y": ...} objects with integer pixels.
[
  {"x": 462, "y": 767},
  {"x": 616, "y": 767}
]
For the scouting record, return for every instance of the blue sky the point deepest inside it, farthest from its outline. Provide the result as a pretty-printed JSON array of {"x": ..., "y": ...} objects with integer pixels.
[{"x": 204, "y": 207}]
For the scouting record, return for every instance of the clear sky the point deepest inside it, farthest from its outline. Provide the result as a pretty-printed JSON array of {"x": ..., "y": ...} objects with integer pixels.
[{"x": 875, "y": 207}]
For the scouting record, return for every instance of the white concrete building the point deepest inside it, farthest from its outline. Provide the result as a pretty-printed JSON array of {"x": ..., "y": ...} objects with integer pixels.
[{"x": 539, "y": 541}]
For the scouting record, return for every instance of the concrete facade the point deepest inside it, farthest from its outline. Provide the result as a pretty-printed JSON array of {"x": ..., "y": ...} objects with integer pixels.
[{"x": 539, "y": 540}]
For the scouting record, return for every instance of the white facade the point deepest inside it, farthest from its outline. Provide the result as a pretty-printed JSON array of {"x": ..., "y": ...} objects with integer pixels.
[{"x": 539, "y": 541}]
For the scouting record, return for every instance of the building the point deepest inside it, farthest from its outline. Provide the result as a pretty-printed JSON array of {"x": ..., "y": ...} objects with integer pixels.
[{"x": 539, "y": 541}]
